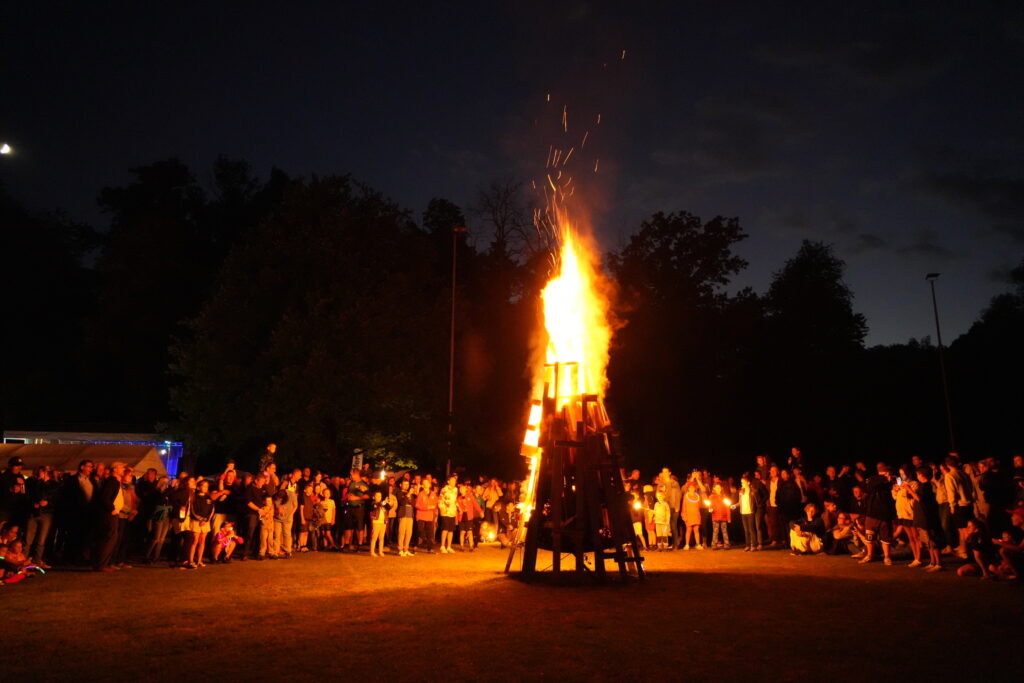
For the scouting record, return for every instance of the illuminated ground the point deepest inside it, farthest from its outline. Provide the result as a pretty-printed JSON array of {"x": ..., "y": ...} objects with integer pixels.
[{"x": 702, "y": 615}]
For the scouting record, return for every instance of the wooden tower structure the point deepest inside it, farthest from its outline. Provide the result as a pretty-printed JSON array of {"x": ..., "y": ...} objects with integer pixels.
[{"x": 573, "y": 502}]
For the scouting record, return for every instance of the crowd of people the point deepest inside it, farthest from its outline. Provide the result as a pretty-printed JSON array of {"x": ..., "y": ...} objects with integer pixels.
[
  {"x": 108, "y": 517},
  {"x": 927, "y": 512}
]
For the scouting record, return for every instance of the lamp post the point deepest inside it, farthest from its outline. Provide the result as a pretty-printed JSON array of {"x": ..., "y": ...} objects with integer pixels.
[
  {"x": 6, "y": 149},
  {"x": 931, "y": 278},
  {"x": 456, "y": 230}
]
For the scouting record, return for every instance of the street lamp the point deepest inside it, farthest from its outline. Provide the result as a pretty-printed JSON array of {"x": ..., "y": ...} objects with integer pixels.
[
  {"x": 931, "y": 278},
  {"x": 6, "y": 149},
  {"x": 456, "y": 230}
]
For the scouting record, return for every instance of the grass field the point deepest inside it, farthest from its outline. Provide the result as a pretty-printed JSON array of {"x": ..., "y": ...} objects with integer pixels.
[{"x": 701, "y": 616}]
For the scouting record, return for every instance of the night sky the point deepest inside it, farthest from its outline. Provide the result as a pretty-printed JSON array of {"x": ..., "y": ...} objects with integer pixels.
[{"x": 894, "y": 133}]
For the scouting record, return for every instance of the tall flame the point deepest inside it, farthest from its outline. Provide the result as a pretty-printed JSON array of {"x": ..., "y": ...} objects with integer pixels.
[{"x": 576, "y": 315}]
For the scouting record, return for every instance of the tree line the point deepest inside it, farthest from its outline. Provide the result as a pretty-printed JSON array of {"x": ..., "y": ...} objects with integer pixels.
[{"x": 314, "y": 312}]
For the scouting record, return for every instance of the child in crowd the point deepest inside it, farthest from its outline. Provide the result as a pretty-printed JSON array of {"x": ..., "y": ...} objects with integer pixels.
[
  {"x": 305, "y": 517},
  {"x": 691, "y": 516},
  {"x": 330, "y": 514},
  {"x": 266, "y": 527},
  {"x": 649, "y": 525},
  {"x": 721, "y": 515},
  {"x": 662, "y": 521},
  {"x": 636, "y": 514},
  {"x": 467, "y": 510},
  {"x": 225, "y": 542},
  {"x": 379, "y": 523}
]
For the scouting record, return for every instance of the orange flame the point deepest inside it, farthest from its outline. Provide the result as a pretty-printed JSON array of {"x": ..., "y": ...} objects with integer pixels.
[{"x": 576, "y": 314}]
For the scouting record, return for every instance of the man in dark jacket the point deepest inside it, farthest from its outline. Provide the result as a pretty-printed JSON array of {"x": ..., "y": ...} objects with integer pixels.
[
  {"x": 788, "y": 498},
  {"x": 107, "y": 503},
  {"x": 880, "y": 511},
  {"x": 9, "y": 496}
]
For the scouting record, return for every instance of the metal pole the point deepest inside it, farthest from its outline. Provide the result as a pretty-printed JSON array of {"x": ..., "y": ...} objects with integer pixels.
[
  {"x": 451, "y": 358},
  {"x": 931, "y": 277}
]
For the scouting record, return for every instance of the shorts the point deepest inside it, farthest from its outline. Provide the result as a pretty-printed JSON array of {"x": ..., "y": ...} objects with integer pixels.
[
  {"x": 196, "y": 527},
  {"x": 466, "y": 525},
  {"x": 905, "y": 522},
  {"x": 877, "y": 530},
  {"x": 962, "y": 515},
  {"x": 355, "y": 519},
  {"x": 447, "y": 523}
]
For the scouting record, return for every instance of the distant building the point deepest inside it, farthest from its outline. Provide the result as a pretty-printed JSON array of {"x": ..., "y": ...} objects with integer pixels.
[{"x": 170, "y": 452}]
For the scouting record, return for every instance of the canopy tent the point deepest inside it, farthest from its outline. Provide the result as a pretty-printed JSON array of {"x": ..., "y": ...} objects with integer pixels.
[{"x": 66, "y": 456}]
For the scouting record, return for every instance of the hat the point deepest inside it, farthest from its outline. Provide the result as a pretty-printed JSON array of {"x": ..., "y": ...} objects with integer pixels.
[
  {"x": 15, "y": 461},
  {"x": 648, "y": 488}
]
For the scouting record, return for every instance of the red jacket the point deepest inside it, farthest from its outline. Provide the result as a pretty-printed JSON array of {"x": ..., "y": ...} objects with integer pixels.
[
  {"x": 720, "y": 512},
  {"x": 467, "y": 507},
  {"x": 426, "y": 507}
]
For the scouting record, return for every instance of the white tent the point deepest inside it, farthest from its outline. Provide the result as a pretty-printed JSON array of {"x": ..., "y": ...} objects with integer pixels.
[{"x": 66, "y": 456}]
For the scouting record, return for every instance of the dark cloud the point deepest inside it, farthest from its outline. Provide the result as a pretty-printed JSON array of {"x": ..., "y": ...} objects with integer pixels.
[
  {"x": 927, "y": 244},
  {"x": 1000, "y": 198},
  {"x": 905, "y": 47},
  {"x": 867, "y": 241}
]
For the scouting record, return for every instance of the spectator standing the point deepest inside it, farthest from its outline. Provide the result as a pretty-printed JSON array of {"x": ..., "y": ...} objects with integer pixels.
[
  {"x": 960, "y": 498},
  {"x": 467, "y": 510},
  {"x": 42, "y": 494},
  {"x": 159, "y": 506},
  {"x": 406, "y": 514},
  {"x": 447, "y": 507},
  {"x": 107, "y": 505},
  {"x": 125, "y": 519},
  {"x": 880, "y": 511},
  {"x": 355, "y": 521},
  {"x": 426, "y": 516}
]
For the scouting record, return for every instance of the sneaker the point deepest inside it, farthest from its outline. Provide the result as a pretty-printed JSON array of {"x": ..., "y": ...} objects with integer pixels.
[
  {"x": 915, "y": 563},
  {"x": 934, "y": 568},
  {"x": 700, "y": 547},
  {"x": 864, "y": 560},
  {"x": 686, "y": 547},
  {"x": 728, "y": 545},
  {"x": 888, "y": 562}
]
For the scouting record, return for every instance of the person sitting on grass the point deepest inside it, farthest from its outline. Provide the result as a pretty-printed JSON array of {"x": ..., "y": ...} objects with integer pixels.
[
  {"x": 467, "y": 511},
  {"x": 1011, "y": 548},
  {"x": 14, "y": 560},
  {"x": 224, "y": 543},
  {"x": 840, "y": 538},
  {"x": 980, "y": 551},
  {"x": 805, "y": 534}
]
